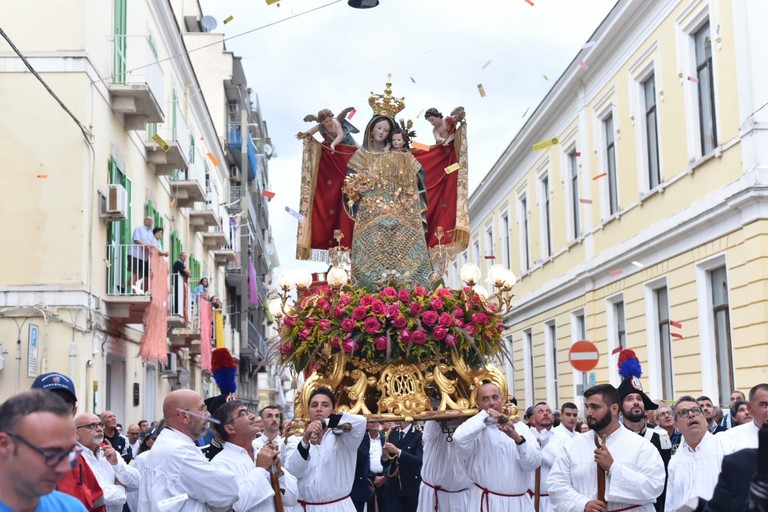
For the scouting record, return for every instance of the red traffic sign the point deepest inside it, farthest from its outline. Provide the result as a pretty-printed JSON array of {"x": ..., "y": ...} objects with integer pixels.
[{"x": 584, "y": 355}]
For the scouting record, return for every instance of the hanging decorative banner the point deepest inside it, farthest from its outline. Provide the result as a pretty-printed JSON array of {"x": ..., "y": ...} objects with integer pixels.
[
  {"x": 546, "y": 144},
  {"x": 676, "y": 335},
  {"x": 268, "y": 194},
  {"x": 675, "y": 324},
  {"x": 616, "y": 350}
]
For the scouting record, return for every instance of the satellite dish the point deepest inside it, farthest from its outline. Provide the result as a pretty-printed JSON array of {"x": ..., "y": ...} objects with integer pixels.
[
  {"x": 268, "y": 150},
  {"x": 208, "y": 23},
  {"x": 182, "y": 379}
]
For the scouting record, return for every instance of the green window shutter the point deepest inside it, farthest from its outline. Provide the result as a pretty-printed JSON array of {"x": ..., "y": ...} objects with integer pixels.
[
  {"x": 176, "y": 247},
  {"x": 120, "y": 43}
]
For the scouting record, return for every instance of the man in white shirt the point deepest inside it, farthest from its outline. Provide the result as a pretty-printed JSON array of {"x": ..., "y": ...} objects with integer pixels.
[
  {"x": 134, "y": 441},
  {"x": 542, "y": 421},
  {"x": 177, "y": 476},
  {"x": 138, "y": 259},
  {"x": 745, "y": 436},
  {"x": 569, "y": 416},
  {"x": 608, "y": 469},
  {"x": 113, "y": 475},
  {"x": 270, "y": 420},
  {"x": 695, "y": 467},
  {"x": 253, "y": 470},
  {"x": 325, "y": 459},
  {"x": 498, "y": 456},
  {"x": 444, "y": 482}
]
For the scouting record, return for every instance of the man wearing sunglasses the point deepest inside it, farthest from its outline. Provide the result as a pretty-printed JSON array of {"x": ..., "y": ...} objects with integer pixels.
[
  {"x": 80, "y": 482},
  {"x": 694, "y": 468},
  {"x": 37, "y": 448}
]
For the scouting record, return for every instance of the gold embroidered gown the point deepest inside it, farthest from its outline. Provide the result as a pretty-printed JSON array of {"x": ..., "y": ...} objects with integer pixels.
[{"x": 389, "y": 235}]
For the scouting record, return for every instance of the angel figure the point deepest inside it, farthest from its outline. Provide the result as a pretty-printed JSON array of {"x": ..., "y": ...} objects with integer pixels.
[
  {"x": 444, "y": 128},
  {"x": 335, "y": 130}
]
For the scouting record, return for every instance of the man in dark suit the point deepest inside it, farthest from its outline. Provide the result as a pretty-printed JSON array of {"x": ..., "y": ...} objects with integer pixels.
[
  {"x": 362, "y": 486},
  {"x": 402, "y": 456},
  {"x": 709, "y": 414},
  {"x": 740, "y": 471}
]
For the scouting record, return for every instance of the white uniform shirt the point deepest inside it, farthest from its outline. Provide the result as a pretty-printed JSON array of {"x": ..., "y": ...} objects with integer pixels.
[
  {"x": 176, "y": 468},
  {"x": 694, "y": 473},
  {"x": 741, "y": 436},
  {"x": 636, "y": 476},
  {"x": 105, "y": 473},
  {"x": 442, "y": 468},
  {"x": 494, "y": 462},
  {"x": 545, "y": 438},
  {"x": 260, "y": 441},
  {"x": 329, "y": 471},
  {"x": 375, "y": 453},
  {"x": 133, "y": 496},
  {"x": 256, "y": 493}
]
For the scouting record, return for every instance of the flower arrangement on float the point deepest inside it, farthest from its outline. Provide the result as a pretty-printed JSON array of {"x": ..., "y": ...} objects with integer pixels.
[{"x": 392, "y": 323}]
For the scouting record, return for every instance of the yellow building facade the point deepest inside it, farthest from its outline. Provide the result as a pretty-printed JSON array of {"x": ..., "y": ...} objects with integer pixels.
[
  {"x": 144, "y": 136},
  {"x": 643, "y": 225}
]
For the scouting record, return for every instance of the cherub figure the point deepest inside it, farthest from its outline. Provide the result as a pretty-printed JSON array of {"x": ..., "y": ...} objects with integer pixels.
[
  {"x": 335, "y": 130},
  {"x": 444, "y": 128},
  {"x": 401, "y": 139}
]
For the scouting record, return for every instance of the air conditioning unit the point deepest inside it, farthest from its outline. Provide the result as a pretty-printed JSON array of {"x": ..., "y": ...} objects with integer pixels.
[
  {"x": 116, "y": 203},
  {"x": 172, "y": 367}
]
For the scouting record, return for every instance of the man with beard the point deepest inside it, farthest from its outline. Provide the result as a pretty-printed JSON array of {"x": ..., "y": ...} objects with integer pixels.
[
  {"x": 238, "y": 429},
  {"x": 634, "y": 404},
  {"x": 611, "y": 469},
  {"x": 113, "y": 475},
  {"x": 324, "y": 460},
  {"x": 694, "y": 469},
  {"x": 542, "y": 421},
  {"x": 176, "y": 470},
  {"x": 498, "y": 456}
]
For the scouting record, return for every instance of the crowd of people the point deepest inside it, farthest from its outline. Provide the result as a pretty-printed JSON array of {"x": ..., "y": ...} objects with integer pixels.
[{"x": 637, "y": 454}]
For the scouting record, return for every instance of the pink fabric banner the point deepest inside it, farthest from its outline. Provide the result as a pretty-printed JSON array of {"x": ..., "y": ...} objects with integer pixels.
[
  {"x": 205, "y": 333},
  {"x": 253, "y": 291},
  {"x": 153, "y": 342}
]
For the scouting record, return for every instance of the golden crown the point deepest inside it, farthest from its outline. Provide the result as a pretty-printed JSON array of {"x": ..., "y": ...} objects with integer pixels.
[{"x": 386, "y": 104}]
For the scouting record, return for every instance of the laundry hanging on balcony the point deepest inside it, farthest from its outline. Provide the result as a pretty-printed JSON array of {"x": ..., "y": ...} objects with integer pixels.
[{"x": 153, "y": 342}]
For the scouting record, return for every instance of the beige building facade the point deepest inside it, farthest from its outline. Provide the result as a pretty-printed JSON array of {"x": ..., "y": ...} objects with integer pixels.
[
  {"x": 145, "y": 136},
  {"x": 644, "y": 224}
]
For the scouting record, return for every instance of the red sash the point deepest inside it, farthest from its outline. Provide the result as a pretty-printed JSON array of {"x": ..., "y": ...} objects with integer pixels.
[{"x": 437, "y": 489}]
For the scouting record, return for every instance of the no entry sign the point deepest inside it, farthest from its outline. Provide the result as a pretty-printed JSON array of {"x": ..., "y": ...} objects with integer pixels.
[{"x": 584, "y": 355}]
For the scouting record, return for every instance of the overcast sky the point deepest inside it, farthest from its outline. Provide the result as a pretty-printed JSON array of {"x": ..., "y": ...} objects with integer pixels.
[{"x": 438, "y": 51}]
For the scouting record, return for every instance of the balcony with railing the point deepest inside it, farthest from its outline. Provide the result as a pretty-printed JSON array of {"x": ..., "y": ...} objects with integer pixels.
[
  {"x": 128, "y": 284},
  {"x": 188, "y": 186},
  {"x": 184, "y": 318},
  {"x": 137, "y": 88},
  {"x": 168, "y": 144},
  {"x": 204, "y": 216},
  {"x": 255, "y": 347}
]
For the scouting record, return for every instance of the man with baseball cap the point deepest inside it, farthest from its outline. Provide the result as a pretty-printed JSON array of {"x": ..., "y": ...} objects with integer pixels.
[{"x": 80, "y": 483}]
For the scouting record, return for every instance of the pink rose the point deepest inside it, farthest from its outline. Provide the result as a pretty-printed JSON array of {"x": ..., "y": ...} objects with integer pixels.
[
  {"x": 450, "y": 340},
  {"x": 391, "y": 310},
  {"x": 436, "y": 303},
  {"x": 345, "y": 300},
  {"x": 377, "y": 307},
  {"x": 366, "y": 300},
  {"x": 446, "y": 320},
  {"x": 468, "y": 289},
  {"x": 471, "y": 330},
  {"x": 429, "y": 318},
  {"x": 286, "y": 348},
  {"x": 338, "y": 312},
  {"x": 359, "y": 313},
  {"x": 404, "y": 295},
  {"x": 324, "y": 305},
  {"x": 371, "y": 325},
  {"x": 419, "y": 336},
  {"x": 290, "y": 321},
  {"x": 347, "y": 325},
  {"x": 405, "y": 336},
  {"x": 324, "y": 324},
  {"x": 380, "y": 343},
  {"x": 336, "y": 342},
  {"x": 439, "y": 333},
  {"x": 415, "y": 308},
  {"x": 480, "y": 319},
  {"x": 445, "y": 292},
  {"x": 349, "y": 345},
  {"x": 458, "y": 312},
  {"x": 389, "y": 291},
  {"x": 304, "y": 333},
  {"x": 420, "y": 291},
  {"x": 309, "y": 322},
  {"x": 459, "y": 323},
  {"x": 400, "y": 322},
  {"x": 323, "y": 290}
]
